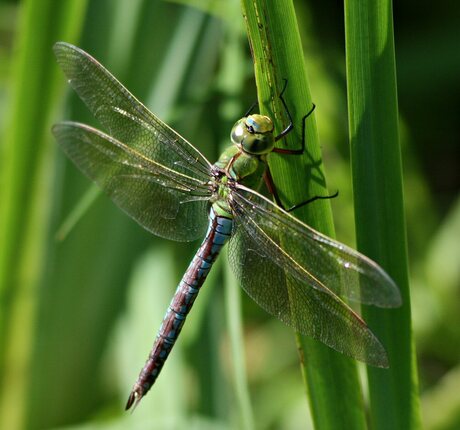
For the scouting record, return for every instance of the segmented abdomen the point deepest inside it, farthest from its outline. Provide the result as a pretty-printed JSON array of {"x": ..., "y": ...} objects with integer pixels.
[{"x": 218, "y": 233}]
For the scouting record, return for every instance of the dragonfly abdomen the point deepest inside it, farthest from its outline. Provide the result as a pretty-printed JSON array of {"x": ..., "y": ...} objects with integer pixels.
[{"x": 219, "y": 232}]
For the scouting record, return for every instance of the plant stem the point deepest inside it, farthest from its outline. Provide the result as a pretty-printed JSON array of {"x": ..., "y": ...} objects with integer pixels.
[
  {"x": 379, "y": 213},
  {"x": 331, "y": 379},
  {"x": 25, "y": 182}
]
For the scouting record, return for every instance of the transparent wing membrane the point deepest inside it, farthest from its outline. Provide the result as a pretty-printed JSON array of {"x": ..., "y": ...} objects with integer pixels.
[
  {"x": 298, "y": 275},
  {"x": 122, "y": 115},
  {"x": 147, "y": 168},
  {"x": 167, "y": 203}
]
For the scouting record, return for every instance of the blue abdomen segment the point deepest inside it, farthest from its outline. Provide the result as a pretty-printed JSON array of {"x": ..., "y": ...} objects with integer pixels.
[{"x": 219, "y": 231}]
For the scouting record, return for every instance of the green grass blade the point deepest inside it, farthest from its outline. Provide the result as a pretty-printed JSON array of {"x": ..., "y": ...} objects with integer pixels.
[
  {"x": 231, "y": 81},
  {"x": 235, "y": 328},
  {"x": 77, "y": 213},
  {"x": 25, "y": 182},
  {"x": 332, "y": 382},
  {"x": 377, "y": 181}
]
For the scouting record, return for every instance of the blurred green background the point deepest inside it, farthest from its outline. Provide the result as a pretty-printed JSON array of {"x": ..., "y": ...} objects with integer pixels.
[{"x": 84, "y": 289}]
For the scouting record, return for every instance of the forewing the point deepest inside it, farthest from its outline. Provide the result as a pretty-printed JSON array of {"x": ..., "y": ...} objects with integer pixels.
[
  {"x": 168, "y": 203},
  {"x": 296, "y": 274},
  {"x": 124, "y": 117},
  {"x": 326, "y": 264}
]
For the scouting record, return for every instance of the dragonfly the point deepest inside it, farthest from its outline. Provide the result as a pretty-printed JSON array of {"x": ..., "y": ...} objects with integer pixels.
[{"x": 293, "y": 272}]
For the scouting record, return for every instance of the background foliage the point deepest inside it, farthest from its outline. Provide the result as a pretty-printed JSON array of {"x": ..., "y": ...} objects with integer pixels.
[{"x": 80, "y": 310}]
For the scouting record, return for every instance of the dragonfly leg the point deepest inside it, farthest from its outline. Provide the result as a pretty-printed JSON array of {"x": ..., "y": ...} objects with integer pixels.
[
  {"x": 268, "y": 177},
  {"x": 290, "y": 127},
  {"x": 251, "y": 108},
  {"x": 310, "y": 200},
  {"x": 274, "y": 192}
]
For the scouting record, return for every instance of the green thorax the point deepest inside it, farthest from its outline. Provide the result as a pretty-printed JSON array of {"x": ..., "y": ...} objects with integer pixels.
[{"x": 242, "y": 167}]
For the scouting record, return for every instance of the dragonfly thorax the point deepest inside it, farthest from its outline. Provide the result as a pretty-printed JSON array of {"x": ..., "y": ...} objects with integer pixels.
[{"x": 254, "y": 134}]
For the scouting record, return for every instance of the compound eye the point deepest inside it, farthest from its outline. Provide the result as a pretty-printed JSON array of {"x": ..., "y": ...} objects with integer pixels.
[
  {"x": 238, "y": 132},
  {"x": 257, "y": 144}
]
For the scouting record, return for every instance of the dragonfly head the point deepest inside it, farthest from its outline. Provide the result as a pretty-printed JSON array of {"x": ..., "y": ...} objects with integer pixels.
[{"x": 254, "y": 134}]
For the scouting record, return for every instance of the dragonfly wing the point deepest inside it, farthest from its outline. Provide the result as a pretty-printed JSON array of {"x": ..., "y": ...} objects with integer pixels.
[
  {"x": 314, "y": 313},
  {"x": 297, "y": 274},
  {"x": 168, "y": 203},
  {"x": 329, "y": 266},
  {"x": 126, "y": 118}
]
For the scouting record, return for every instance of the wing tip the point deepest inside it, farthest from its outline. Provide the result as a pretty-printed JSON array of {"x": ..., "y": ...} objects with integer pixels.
[
  {"x": 393, "y": 297},
  {"x": 65, "y": 51},
  {"x": 378, "y": 359},
  {"x": 61, "y": 46}
]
